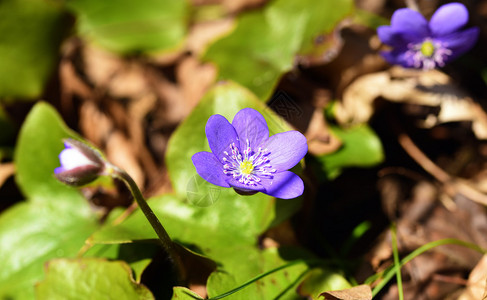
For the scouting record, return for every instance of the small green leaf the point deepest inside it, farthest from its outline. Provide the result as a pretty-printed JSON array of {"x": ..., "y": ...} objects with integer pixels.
[
  {"x": 361, "y": 148},
  {"x": 264, "y": 43},
  {"x": 36, "y": 156},
  {"x": 127, "y": 26},
  {"x": 182, "y": 293},
  {"x": 279, "y": 285},
  {"x": 321, "y": 280},
  {"x": 90, "y": 278},
  {"x": 31, "y": 33},
  {"x": 54, "y": 221}
]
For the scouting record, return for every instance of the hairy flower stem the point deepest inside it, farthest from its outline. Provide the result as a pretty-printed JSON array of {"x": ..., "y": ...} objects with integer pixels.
[{"x": 164, "y": 239}]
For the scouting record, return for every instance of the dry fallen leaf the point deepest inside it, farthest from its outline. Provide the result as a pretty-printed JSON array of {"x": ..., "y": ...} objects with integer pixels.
[
  {"x": 432, "y": 88},
  {"x": 476, "y": 281},
  {"x": 361, "y": 292},
  {"x": 6, "y": 170}
]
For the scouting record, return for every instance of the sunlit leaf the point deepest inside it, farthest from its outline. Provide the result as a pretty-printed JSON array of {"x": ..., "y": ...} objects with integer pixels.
[
  {"x": 182, "y": 293},
  {"x": 224, "y": 224},
  {"x": 53, "y": 222},
  {"x": 126, "y": 26},
  {"x": 281, "y": 284},
  {"x": 90, "y": 278},
  {"x": 31, "y": 32},
  {"x": 264, "y": 43},
  {"x": 137, "y": 255},
  {"x": 320, "y": 280}
]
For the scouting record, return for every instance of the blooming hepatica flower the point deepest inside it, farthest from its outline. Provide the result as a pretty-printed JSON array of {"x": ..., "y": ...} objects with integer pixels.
[
  {"x": 418, "y": 43},
  {"x": 80, "y": 164},
  {"x": 245, "y": 158}
]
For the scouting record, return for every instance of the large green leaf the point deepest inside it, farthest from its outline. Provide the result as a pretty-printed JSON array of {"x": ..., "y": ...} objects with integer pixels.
[
  {"x": 361, "y": 148},
  {"x": 127, "y": 26},
  {"x": 31, "y": 32},
  {"x": 225, "y": 224},
  {"x": 137, "y": 255},
  {"x": 53, "y": 222},
  {"x": 282, "y": 284},
  {"x": 264, "y": 43},
  {"x": 90, "y": 278}
]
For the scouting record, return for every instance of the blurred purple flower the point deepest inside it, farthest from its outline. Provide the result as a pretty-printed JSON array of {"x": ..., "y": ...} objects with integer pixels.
[
  {"x": 80, "y": 164},
  {"x": 245, "y": 158},
  {"x": 418, "y": 43}
]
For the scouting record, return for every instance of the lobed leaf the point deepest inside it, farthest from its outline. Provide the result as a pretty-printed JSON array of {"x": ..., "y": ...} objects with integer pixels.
[
  {"x": 264, "y": 43},
  {"x": 54, "y": 221},
  {"x": 90, "y": 278}
]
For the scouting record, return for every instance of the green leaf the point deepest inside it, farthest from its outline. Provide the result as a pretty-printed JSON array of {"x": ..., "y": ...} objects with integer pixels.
[
  {"x": 127, "y": 26},
  {"x": 182, "y": 293},
  {"x": 90, "y": 278},
  {"x": 31, "y": 31},
  {"x": 279, "y": 285},
  {"x": 36, "y": 156},
  {"x": 225, "y": 224},
  {"x": 53, "y": 222},
  {"x": 321, "y": 280},
  {"x": 361, "y": 148},
  {"x": 137, "y": 255},
  {"x": 30, "y": 235},
  {"x": 264, "y": 43}
]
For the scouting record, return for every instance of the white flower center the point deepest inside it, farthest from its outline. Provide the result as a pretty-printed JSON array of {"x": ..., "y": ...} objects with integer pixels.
[
  {"x": 250, "y": 167},
  {"x": 428, "y": 54}
]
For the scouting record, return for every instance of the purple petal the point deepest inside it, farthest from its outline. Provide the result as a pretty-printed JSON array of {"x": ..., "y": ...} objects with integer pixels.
[
  {"x": 390, "y": 37},
  {"x": 284, "y": 185},
  {"x": 397, "y": 57},
  {"x": 410, "y": 24},
  {"x": 448, "y": 18},
  {"x": 250, "y": 125},
  {"x": 244, "y": 187},
  {"x": 220, "y": 134},
  {"x": 59, "y": 170},
  {"x": 209, "y": 168},
  {"x": 286, "y": 149},
  {"x": 460, "y": 42}
]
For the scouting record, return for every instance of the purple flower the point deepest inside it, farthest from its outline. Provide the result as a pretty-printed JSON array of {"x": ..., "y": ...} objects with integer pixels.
[
  {"x": 245, "y": 158},
  {"x": 80, "y": 164},
  {"x": 418, "y": 43}
]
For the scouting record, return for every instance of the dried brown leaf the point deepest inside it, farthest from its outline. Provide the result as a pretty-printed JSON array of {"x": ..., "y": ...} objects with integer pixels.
[
  {"x": 476, "y": 285},
  {"x": 6, "y": 170},
  {"x": 121, "y": 153},
  {"x": 320, "y": 140},
  {"x": 432, "y": 88}
]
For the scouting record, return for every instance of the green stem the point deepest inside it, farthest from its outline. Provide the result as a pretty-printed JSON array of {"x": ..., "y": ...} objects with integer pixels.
[
  {"x": 387, "y": 274},
  {"x": 249, "y": 282},
  {"x": 397, "y": 266},
  {"x": 165, "y": 241}
]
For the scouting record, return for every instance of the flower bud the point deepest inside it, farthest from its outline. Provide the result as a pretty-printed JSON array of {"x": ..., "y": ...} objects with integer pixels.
[{"x": 80, "y": 163}]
